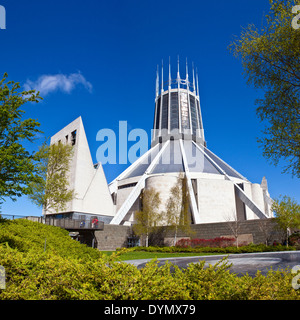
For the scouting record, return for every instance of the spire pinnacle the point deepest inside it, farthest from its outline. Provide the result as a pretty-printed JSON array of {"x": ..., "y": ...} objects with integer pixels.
[
  {"x": 186, "y": 70},
  {"x": 178, "y": 73},
  {"x": 162, "y": 75},
  {"x": 197, "y": 82},
  {"x": 157, "y": 82},
  {"x": 170, "y": 78},
  {"x": 194, "y": 84}
]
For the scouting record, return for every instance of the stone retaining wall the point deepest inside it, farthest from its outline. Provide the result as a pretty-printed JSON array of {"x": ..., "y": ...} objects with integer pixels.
[
  {"x": 261, "y": 230},
  {"x": 256, "y": 231},
  {"x": 112, "y": 237}
]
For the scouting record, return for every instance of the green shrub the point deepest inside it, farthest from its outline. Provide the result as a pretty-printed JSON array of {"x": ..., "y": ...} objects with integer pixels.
[
  {"x": 68, "y": 270},
  {"x": 47, "y": 276},
  {"x": 25, "y": 236}
]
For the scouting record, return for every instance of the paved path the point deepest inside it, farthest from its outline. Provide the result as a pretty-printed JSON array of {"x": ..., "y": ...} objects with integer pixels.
[{"x": 242, "y": 263}]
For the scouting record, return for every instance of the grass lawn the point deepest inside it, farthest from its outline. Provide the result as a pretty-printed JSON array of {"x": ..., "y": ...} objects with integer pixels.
[{"x": 135, "y": 255}]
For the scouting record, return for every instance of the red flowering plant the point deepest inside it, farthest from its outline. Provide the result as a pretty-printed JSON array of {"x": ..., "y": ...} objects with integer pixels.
[{"x": 219, "y": 242}]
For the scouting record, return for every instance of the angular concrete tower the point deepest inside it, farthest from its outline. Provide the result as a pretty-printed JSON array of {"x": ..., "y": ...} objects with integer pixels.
[
  {"x": 217, "y": 192},
  {"x": 92, "y": 196}
]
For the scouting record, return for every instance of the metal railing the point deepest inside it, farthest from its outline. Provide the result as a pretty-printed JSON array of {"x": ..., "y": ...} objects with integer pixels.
[
  {"x": 72, "y": 224},
  {"x": 12, "y": 216}
]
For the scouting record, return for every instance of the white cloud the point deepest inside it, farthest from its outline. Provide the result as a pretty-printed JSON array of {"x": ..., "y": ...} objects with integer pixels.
[{"x": 46, "y": 84}]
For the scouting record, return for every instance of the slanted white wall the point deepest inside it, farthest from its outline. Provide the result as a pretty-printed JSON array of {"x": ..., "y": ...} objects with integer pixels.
[
  {"x": 97, "y": 198},
  {"x": 91, "y": 190}
]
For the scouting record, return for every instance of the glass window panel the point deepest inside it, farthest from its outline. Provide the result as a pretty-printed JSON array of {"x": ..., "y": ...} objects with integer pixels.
[
  {"x": 157, "y": 114},
  {"x": 143, "y": 166},
  {"x": 171, "y": 159},
  {"x": 197, "y": 162},
  {"x": 174, "y": 111},
  {"x": 199, "y": 114},
  {"x": 185, "y": 123},
  {"x": 193, "y": 114},
  {"x": 165, "y": 107}
]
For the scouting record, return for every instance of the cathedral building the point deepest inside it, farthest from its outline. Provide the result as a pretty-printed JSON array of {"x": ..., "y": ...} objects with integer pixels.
[{"x": 217, "y": 192}]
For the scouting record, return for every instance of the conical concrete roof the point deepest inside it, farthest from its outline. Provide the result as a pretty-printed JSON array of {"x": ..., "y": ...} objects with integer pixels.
[{"x": 200, "y": 159}]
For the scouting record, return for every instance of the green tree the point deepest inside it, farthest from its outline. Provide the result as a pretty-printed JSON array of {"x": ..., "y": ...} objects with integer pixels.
[
  {"x": 52, "y": 191},
  {"x": 177, "y": 214},
  {"x": 149, "y": 217},
  {"x": 17, "y": 165},
  {"x": 287, "y": 212},
  {"x": 271, "y": 61}
]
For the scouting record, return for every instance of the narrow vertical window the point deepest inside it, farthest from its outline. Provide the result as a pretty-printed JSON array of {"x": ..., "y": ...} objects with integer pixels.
[
  {"x": 73, "y": 137},
  {"x": 194, "y": 114},
  {"x": 158, "y": 114},
  {"x": 174, "y": 111},
  {"x": 164, "y": 122},
  {"x": 185, "y": 119}
]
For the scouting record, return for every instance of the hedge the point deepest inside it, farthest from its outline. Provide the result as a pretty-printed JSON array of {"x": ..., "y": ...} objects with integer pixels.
[{"x": 251, "y": 248}]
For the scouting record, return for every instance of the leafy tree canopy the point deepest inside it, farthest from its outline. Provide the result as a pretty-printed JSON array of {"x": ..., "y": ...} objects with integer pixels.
[
  {"x": 149, "y": 217},
  {"x": 287, "y": 212},
  {"x": 17, "y": 165},
  {"x": 52, "y": 191},
  {"x": 271, "y": 61}
]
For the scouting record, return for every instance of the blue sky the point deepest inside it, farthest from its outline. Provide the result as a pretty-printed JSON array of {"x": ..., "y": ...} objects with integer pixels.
[{"x": 102, "y": 58}]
